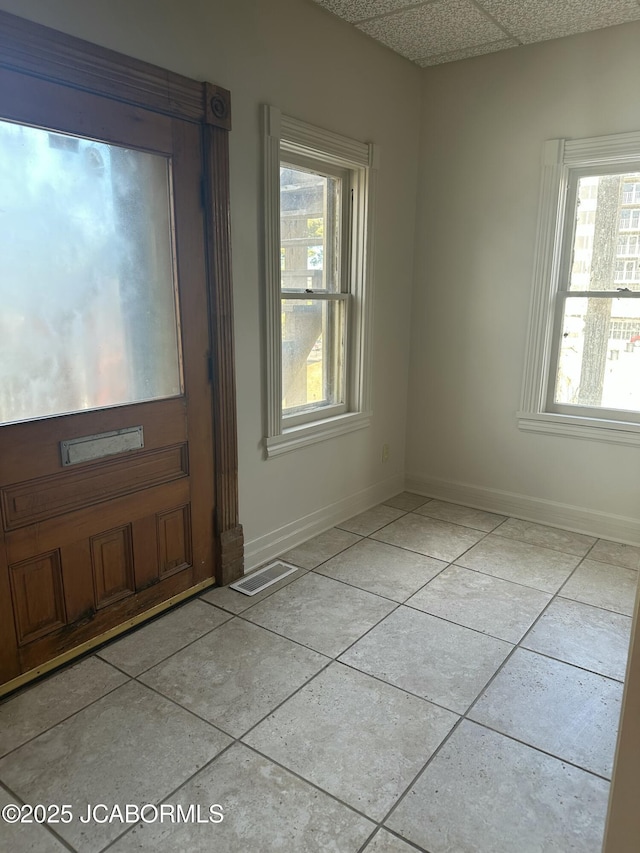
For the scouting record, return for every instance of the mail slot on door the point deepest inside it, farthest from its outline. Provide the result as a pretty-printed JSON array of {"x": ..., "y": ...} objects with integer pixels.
[{"x": 89, "y": 447}]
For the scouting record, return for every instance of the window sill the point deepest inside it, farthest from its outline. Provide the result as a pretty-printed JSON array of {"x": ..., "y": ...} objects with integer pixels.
[
  {"x": 612, "y": 432},
  {"x": 311, "y": 433}
]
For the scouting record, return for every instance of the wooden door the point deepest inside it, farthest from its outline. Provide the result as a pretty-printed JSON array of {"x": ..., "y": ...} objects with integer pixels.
[{"x": 106, "y": 448}]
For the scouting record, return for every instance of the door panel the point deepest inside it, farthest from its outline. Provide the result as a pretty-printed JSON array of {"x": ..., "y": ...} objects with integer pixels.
[
  {"x": 87, "y": 546},
  {"x": 39, "y": 500},
  {"x": 38, "y": 597}
]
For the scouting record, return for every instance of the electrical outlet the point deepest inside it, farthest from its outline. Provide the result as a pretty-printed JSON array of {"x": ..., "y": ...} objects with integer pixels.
[{"x": 385, "y": 452}]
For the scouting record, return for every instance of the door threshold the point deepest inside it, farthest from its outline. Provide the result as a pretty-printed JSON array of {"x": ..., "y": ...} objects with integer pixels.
[{"x": 48, "y": 666}]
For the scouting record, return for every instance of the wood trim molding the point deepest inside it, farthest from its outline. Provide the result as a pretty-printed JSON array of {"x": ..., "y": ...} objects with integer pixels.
[
  {"x": 217, "y": 106},
  {"x": 228, "y": 532},
  {"x": 43, "y": 52}
]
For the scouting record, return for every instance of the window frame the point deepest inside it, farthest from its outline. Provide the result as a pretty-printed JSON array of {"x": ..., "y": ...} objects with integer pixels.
[
  {"x": 564, "y": 160},
  {"x": 288, "y": 139}
]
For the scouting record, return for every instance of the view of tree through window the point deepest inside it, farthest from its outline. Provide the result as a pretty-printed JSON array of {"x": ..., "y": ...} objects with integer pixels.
[{"x": 599, "y": 353}]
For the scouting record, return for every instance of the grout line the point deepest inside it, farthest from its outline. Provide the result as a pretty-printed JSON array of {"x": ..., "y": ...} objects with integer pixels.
[
  {"x": 570, "y": 663},
  {"x": 595, "y": 606},
  {"x": 465, "y": 716},
  {"x": 415, "y": 779},
  {"x": 69, "y": 716},
  {"x": 47, "y": 826},
  {"x": 268, "y": 592},
  {"x": 540, "y": 749},
  {"x": 412, "y": 845},
  {"x": 406, "y": 690},
  {"x": 182, "y": 707},
  {"x": 317, "y": 651},
  {"x": 336, "y": 659},
  {"x": 171, "y": 794},
  {"x": 309, "y": 782},
  {"x": 404, "y": 601},
  {"x": 177, "y": 651}
]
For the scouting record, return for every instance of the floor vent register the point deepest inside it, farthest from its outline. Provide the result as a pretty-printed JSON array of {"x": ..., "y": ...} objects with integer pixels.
[{"x": 257, "y": 581}]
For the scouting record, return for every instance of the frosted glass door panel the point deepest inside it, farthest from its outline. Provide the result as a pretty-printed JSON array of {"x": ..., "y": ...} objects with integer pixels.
[{"x": 88, "y": 315}]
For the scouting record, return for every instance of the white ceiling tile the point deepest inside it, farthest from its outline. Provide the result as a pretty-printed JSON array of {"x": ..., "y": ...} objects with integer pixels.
[
  {"x": 358, "y": 10},
  {"x": 438, "y": 27},
  {"x": 467, "y": 52},
  {"x": 539, "y": 20}
]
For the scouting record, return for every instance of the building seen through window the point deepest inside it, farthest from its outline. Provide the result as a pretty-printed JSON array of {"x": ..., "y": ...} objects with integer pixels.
[{"x": 598, "y": 362}]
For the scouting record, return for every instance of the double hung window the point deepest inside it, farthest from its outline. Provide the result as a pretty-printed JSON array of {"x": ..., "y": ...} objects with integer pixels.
[
  {"x": 315, "y": 205},
  {"x": 318, "y": 188},
  {"x": 582, "y": 374}
]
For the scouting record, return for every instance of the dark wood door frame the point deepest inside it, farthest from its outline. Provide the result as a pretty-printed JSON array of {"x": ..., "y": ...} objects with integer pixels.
[{"x": 39, "y": 51}]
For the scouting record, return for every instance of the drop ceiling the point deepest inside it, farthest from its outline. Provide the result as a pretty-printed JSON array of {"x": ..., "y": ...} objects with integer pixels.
[{"x": 437, "y": 31}]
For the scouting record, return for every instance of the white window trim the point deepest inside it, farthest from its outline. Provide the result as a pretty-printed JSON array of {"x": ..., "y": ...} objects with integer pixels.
[
  {"x": 558, "y": 158},
  {"x": 285, "y": 134}
]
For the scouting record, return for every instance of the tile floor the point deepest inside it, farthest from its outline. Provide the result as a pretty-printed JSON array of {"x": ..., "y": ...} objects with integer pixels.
[{"x": 433, "y": 678}]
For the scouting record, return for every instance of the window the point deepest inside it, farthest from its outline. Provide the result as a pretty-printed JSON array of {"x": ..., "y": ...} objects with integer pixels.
[
  {"x": 629, "y": 219},
  {"x": 87, "y": 276},
  {"x": 314, "y": 212},
  {"x": 582, "y": 371},
  {"x": 631, "y": 193},
  {"x": 318, "y": 198},
  {"x": 628, "y": 245}
]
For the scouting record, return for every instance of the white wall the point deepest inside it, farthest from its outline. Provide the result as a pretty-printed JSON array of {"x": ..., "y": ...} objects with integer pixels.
[
  {"x": 483, "y": 124},
  {"x": 294, "y": 55}
]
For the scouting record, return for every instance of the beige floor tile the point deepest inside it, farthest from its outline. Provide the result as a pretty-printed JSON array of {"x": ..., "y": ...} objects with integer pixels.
[
  {"x": 385, "y": 842},
  {"x": 359, "y": 739},
  {"x": 429, "y": 536},
  {"x": 500, "y": 608},
  {"x": 531, "y": 565},
  {"x": 237, "y": 602},
  {"x": 464, "y": 515},
  {"x": 547, "y": 537},
  {"x": 37, "y": 708},
  {"x": 603, "y": 585},
  {"x": 131, "y": 746},
  {"x": 371, "y": 520},
  {"x": 321, "y": 548},
  {"x": 265, "y": 808},
  {"x": 558, "y": 708},
  {"x": 586, "y": 636},
  {"x": 616, "y": 553},
  {"x": 26, "y": 837},
  {"x": 406, "y": 501},
  {"x": 429, "y": 657},
  {"x": 382, "y": 569},
  {"x": 320, "y": 613},
  {"x": 162, "y": 637},
  {"x": 361, "y": 728},
  {"x": 486, "y": 793},
  {"x": 235, "y": 675}
]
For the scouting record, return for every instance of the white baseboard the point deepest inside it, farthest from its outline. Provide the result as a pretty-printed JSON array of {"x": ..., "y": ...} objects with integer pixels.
[
  {"x": 577, "y": 519},
  {"x": 258, "y": 551}
]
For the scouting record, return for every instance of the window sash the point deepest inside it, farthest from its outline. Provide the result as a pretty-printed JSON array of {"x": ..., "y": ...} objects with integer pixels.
[
  {"x": 334, "y": 361},
  {"x": 336, "y": 281},
  {"x": 287, "y": 138},
  {"x": 340, "y": 235},
  {"x": 566, "y": 242},
  {"x": 577, "y": 409}
]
